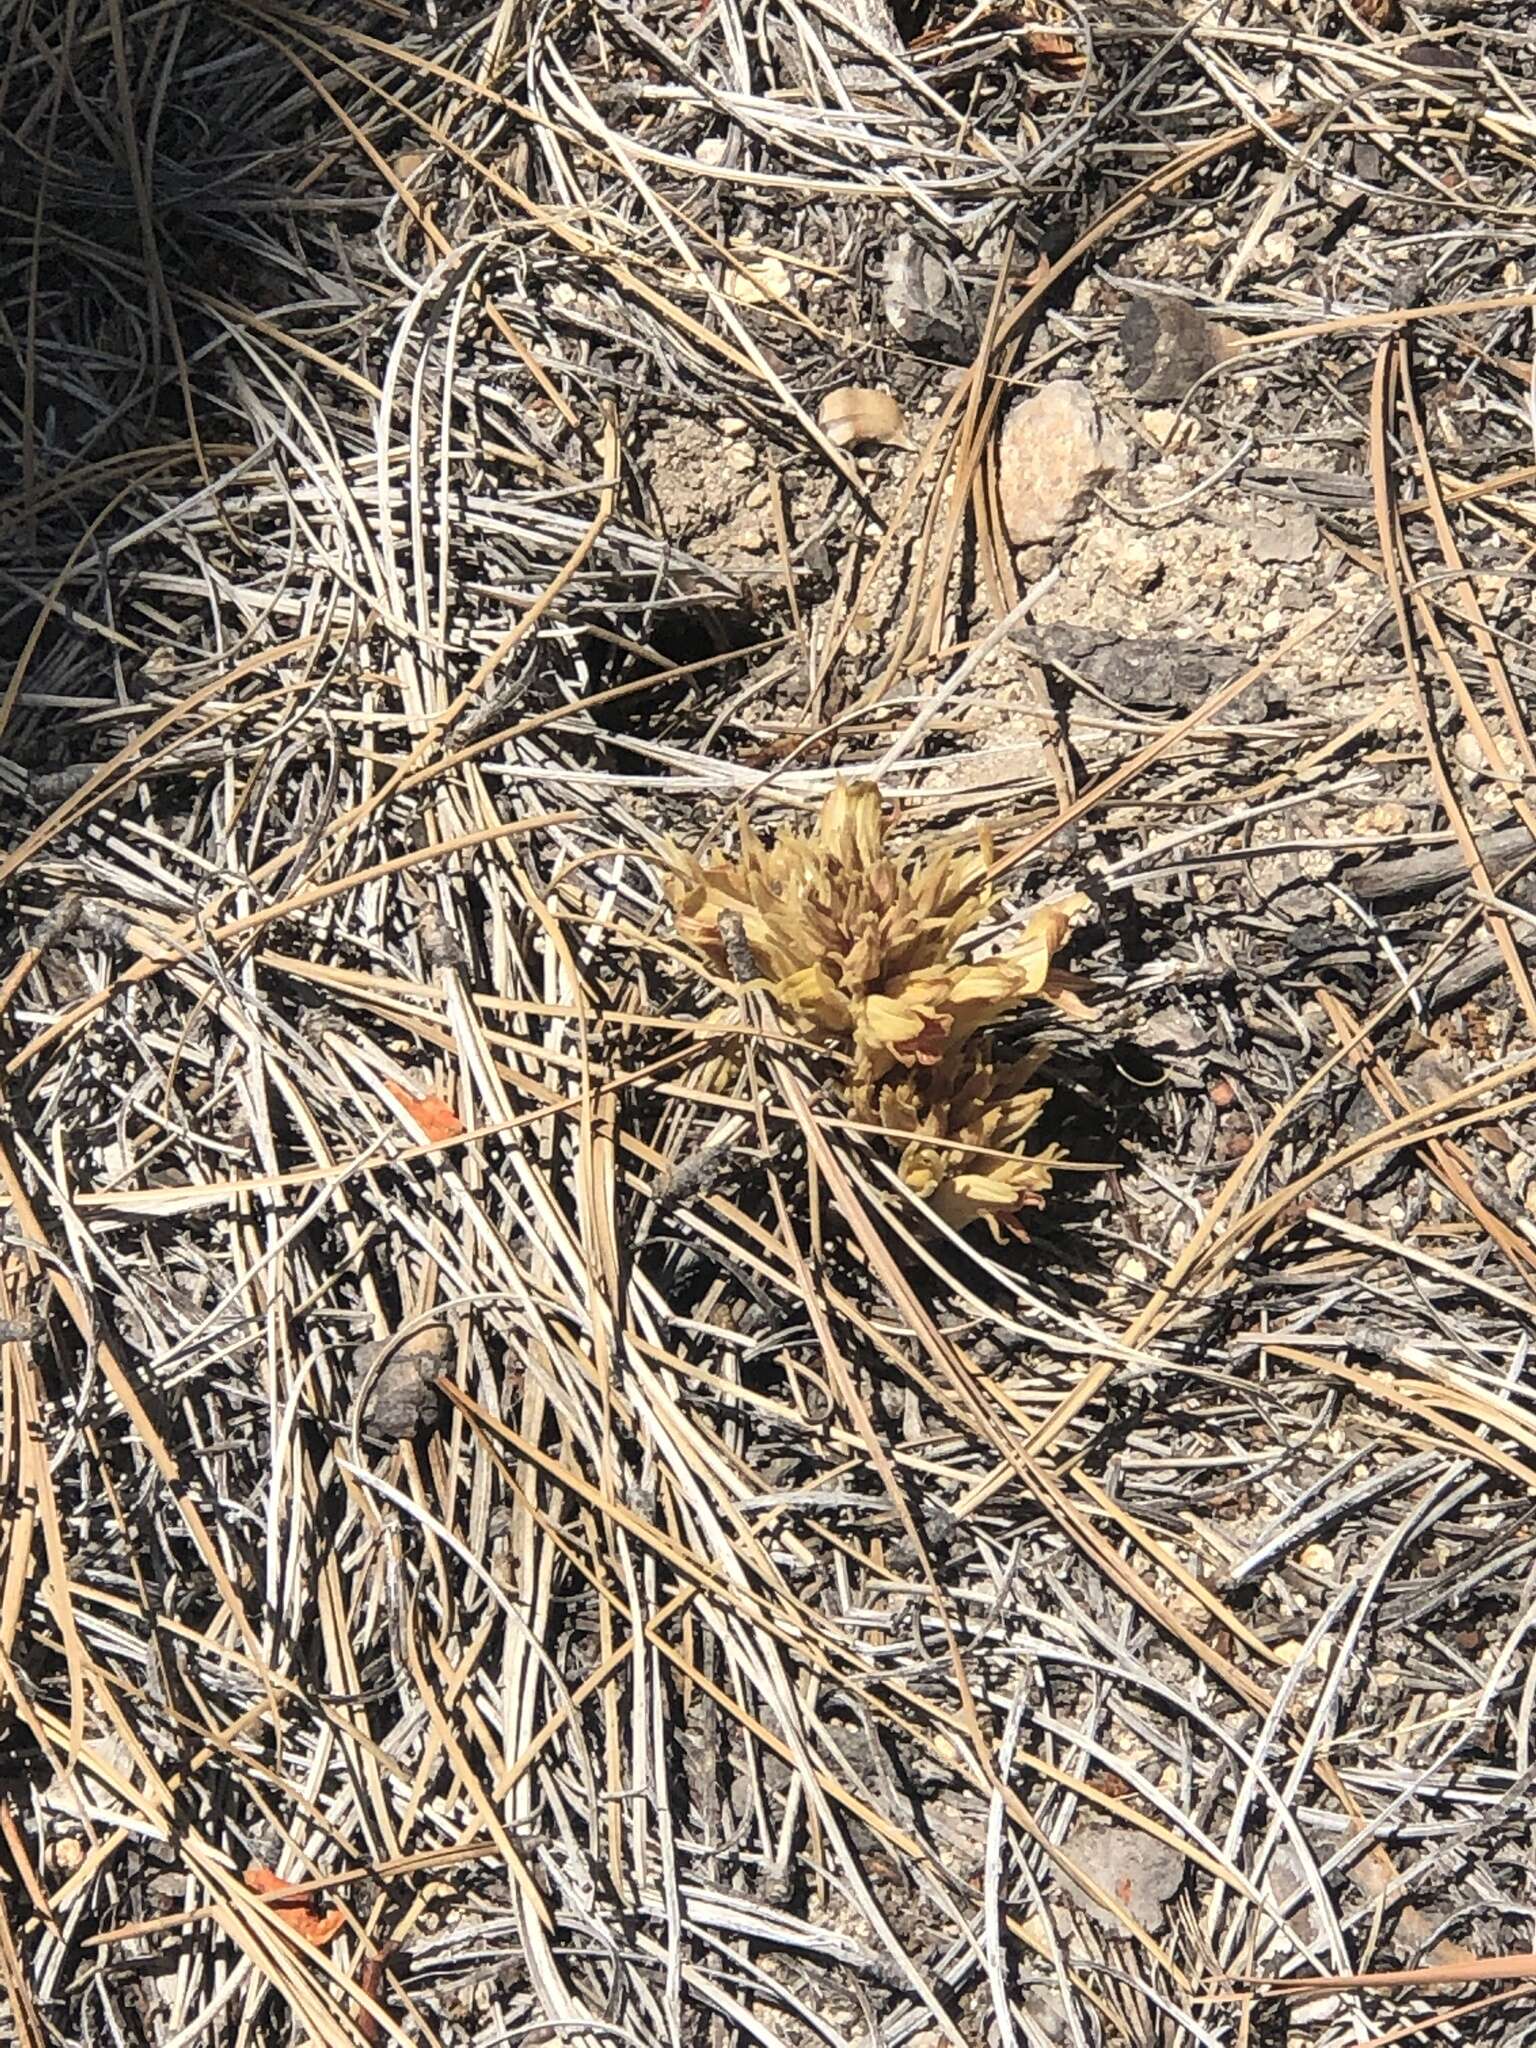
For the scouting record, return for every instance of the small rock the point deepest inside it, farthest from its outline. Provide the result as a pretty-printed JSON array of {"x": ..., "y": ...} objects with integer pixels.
[
  {"x": 1137, "y": 563},
  {"x": 1168, "y": 346},
  {"x": 1285, "y": 537},
  {"x": 1044, "y": 2007},
  {"x": 859, "y": 415},
  {"x": 758, "y": 281},
  {"x": 1054, "y": 451},
  {"x": 1162, "y": 422},
  {"x": 1284, "y": 1882},
  {"x": 1473, "y": 756},
  {"x": 1136, "y": 1869},
  {"x": 922, "y": 302},
  {"x": 1277, "y": 251},
  {"x": 401, "y": 1396},
  {"x": 1429, "y": 1078},
  {"x": 1172, "y": 1030}
]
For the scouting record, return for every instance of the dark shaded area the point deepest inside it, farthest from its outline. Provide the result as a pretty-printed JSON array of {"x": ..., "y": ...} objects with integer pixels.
[
  {"x": 629, "y": 1654},
  {"x": 171, "y": 189}
]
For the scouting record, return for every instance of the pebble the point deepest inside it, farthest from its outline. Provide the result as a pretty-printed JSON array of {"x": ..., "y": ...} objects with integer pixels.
[
  {"x": 1054, "y": 451},
  {"x": 1137, "y": 564},
  {"x": 1168, "y": 345},
  {"x": 401, "y": 1395},
  {"x": 760, "y": 281},
  {"x": 1137, "y": 1869},
  {"x": 920, "y": 301},
  {"x": 1033, "y": 563},
  {"x": 1284, "y": 537},
  {"x": 1277, "y": 251},
  {"x": 1162, "y": 421},
  {"x": 1472, "y": 756}
]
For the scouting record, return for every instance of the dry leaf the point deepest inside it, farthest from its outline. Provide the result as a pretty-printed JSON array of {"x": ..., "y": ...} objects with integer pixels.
[
  {"x": 1054, "y": 52},
  {"x": 436, "y": 1120},
  {"x": 319, "y": 1928},
  {"x": 857, "y": 414}
]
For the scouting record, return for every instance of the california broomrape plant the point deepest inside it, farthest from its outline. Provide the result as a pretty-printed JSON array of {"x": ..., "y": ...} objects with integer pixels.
[{"x": 862, "y": 951}]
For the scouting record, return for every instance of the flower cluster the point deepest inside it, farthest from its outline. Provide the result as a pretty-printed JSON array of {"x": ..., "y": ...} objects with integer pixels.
[{"x": 863, "y": 950}]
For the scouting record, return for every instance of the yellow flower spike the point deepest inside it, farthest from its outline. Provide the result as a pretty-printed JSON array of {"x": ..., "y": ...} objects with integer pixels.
[
  {"x": 860, "y": 951},
  {"x": 861, "y": 962},
  {"x": 920, "y": 1170},
  {"x": 901, "y": 1030},
  {"x": 1064, "y": 991},
  {"x": 813, "y": 992},
  {"x": 898, "y": 1109},
  {"x": 985, "y": 1192},
  {"x": 853, "y": 824}
]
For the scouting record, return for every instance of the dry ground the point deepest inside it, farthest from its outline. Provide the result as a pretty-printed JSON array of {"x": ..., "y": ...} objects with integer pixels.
[{"x": 477, "y": 1454}]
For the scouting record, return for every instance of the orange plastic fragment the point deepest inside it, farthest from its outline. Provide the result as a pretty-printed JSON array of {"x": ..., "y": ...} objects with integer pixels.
[
  {"x": 319, "y": 1928},
  {"x": 436, "y": 1119}
]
